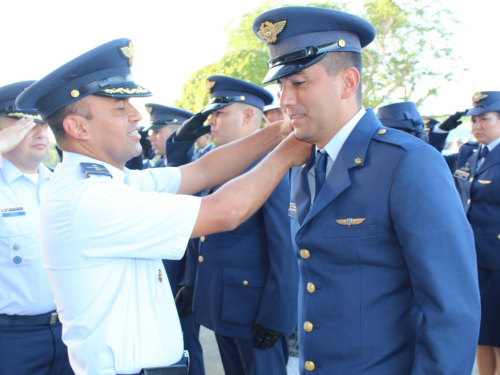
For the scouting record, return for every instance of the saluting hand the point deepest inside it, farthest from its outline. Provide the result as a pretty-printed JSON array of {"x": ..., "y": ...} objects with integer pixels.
[
  {"x": 12, "y": 135},
  {"x": 452, "y": 122},
  {"x": 193, "y": 128}
]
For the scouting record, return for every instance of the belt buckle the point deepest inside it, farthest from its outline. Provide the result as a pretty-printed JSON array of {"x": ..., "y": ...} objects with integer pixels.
[{"x": 54, "y": 318}]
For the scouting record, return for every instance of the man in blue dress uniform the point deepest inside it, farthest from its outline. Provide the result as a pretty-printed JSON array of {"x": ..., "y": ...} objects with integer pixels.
[
  {"x": 476, "y": 171},
  {"x": 246, "y": 284},
  {"x": 30, "y": 331},
  {"x": 388, "y": 280}
]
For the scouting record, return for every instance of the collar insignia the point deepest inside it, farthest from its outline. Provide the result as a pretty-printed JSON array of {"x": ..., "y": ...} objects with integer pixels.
[
  {"x": 149, "y": 109},
  {"x": 357, "y": 161},
  {"x": 477, "y": 97},
  {"x": 128, "y": 53},
  {"x": 209, "y": 85},
  {"x": 350, "y": 222},
  {"x": 269, "y": 31}
]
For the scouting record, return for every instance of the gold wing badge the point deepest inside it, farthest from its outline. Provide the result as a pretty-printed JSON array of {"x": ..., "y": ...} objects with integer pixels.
[
  {"x": 477, "y": 97},
  {"x": 149, "y": 109},
  {"x": 350, "y": 222},
  {"x": 128, "y": 53},
  {"x": 269, "y": 31},
  {"x": 209, "y": 85}
]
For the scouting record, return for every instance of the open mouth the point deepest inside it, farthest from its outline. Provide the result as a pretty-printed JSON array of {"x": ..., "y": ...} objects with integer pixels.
[
  {"x": 134, "y": 133},
  {"x": 295, "y": 117}
]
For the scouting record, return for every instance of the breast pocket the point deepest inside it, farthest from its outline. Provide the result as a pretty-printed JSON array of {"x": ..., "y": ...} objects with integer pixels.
[
  {"x": 18, "y": 237},
  {"x": 242, "y": 294},
  {"x": 353, "y": 231}
]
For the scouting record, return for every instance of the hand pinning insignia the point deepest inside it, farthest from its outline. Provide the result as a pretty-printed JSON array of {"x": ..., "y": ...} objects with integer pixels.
[
  {"x": 349, "y": 222},
  {"x": 128, "y": 53},
  {"x": 269, "y": 31}
]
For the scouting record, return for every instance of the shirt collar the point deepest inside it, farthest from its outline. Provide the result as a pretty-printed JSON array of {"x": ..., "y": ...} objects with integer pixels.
[
  {"x": 74, "y": 158},
  {"x": 493, "y": 144},
  {"x": 11, "y": 172},
  {"x": 335, "y": 144}
]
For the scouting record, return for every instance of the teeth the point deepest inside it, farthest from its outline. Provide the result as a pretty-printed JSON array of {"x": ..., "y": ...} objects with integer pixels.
[
  {"x": 135, "y": 132},
  {"x": 297, "y": 116}
]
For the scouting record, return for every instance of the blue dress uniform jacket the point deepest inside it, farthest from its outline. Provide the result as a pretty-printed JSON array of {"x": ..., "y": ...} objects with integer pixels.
[
  {"x": 398, "y": 292},
  {"x": 480, "y": 196},
  {"x": 249, "y": 274}
]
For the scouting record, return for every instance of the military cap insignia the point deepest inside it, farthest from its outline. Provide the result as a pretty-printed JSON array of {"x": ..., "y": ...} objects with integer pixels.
[
  {"x": 128, "y": 53},
  {"x": 477, "y": 97},
  {"x": 209, "y": 85},
  {"x": 269, "y": 31},
  {"x": 350, "y": 222},
  {"x": 149, "y": 109}
]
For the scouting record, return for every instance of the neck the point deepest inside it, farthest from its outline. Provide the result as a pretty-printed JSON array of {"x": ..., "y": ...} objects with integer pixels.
[
  {"x": 28, "y": 167},
  {"x": 336, "y": 124}
]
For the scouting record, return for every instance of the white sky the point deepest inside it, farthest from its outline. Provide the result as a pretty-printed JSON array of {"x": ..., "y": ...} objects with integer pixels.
[{"x": 174, "y": 39}]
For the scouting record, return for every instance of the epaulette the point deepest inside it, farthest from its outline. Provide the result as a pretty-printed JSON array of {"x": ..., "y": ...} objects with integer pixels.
[
  {"x": 397, "y": 138},
  {"x": 96, "y": 169}
]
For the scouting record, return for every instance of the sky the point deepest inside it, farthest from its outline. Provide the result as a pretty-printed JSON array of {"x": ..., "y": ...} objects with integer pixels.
[{"x": 174, "y": 39}]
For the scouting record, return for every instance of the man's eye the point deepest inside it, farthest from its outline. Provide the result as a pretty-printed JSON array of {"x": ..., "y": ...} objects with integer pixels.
[{"x": 298, "y": 83}]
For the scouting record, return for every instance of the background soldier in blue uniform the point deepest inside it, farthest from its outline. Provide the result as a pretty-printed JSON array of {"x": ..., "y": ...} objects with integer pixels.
[
  {"x": 403, "y": 116},
  {"x": 388, "y": 280},
  {"x": 30, "y": 331},
  {"x": 246, "y": 285},
  {"x": 476, "y": 170}
]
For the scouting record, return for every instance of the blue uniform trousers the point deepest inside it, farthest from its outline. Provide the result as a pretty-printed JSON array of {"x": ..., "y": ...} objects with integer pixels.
[
  {"x": 239, "y": 357},
  {"x": 33, "y": 350}
]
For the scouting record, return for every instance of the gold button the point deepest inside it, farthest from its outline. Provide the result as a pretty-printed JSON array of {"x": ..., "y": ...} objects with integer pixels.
[
  {"x": 498, "y": 236},
  {"x": 382, "y": 131},
  {"x": 202, "y": 238},
  {"x": 245, "y": 282},
  {"x": 75, "y": 93},
  {"x": 305, "y": 253},
  {"x": 200, "y": 259},
  {"x": 471, "y": 179},
  {"x": 311, "y": 288},
  {"x": 475, "y": 150},
  {"x": 309, "y": 365},
  {"x": 308, "y": 326},
  {"x": 468, "y": 201}
]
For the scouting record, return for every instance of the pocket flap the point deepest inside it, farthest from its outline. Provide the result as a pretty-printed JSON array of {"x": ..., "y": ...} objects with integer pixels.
[{"x": 250, "y": 277}]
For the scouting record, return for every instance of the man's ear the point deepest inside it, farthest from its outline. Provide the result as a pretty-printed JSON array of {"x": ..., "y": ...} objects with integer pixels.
[
  {"x": 76, "y": 127},
  {"x": 248, "y": 115},
  {"x": 350, "y": 82}
]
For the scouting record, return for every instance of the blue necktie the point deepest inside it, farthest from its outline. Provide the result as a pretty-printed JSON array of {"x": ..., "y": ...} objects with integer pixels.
[
  {"x": 484, "y": 152},
  {"x": 320, "y": 171}
]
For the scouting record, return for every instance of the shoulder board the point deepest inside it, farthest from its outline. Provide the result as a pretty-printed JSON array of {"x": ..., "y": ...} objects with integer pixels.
[
  {"x": 397, "y": 138},
  {"x": 96, "y": 169}
]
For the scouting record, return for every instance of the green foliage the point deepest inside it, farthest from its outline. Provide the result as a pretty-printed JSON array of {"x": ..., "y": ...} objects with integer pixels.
[{"x": 401, "y": 64}]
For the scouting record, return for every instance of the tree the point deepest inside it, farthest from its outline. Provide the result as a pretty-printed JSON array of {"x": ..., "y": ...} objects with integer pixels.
[{"x": 405, "y": 62}]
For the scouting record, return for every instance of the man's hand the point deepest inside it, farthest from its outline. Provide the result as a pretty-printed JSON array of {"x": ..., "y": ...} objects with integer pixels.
[
  {"x": 264, "y": 337},
  {"x": 184, "y": 301},
  {"x": 12, "y": 135},
  {"x": 193, "y": 128},
  {"x": 452, "y": 122}
]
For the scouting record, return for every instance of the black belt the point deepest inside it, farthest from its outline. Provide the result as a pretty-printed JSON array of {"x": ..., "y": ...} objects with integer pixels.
[{"x": 29, "y": 320}]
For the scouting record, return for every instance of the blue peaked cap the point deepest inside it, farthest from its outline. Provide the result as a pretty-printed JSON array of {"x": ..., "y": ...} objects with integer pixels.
[
  {"x": 8, "y": 95},
  {"x": 300, "y": 36},
  {"x": 225, "y": 91},
  {"x": 403, "y": 115},
  {"x": 161, "y": 116},
  {"x": 483, "y": 102},
  {"x": 103, "y": 71}
]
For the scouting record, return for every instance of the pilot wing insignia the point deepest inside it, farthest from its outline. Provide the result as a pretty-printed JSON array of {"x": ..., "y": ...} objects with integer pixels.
[
  {"x": 349, "y": 222},
  {"x": 269, "y": 31}
]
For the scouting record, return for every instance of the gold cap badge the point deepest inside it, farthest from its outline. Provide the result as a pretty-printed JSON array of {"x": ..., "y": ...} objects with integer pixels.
[
  {"x": 149, "y": 109},
  {"x": 128, "y": 53},
  {"x": 209, "y": 85},
  {"x": 269, "y": 31},
  {"x": 477, "y": 97}
]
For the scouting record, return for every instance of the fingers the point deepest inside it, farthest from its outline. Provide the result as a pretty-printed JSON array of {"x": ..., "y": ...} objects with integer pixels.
[{"x": 11, "y": 136}]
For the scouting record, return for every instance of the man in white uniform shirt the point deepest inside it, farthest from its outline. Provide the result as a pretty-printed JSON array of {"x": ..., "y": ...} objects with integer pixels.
[
  {"x": 30, "y": 332},
  {"x": 111, "y": 292}
]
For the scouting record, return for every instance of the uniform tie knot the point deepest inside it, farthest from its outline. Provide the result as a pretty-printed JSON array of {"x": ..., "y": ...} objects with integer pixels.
[{"x": 484, "y": 152}]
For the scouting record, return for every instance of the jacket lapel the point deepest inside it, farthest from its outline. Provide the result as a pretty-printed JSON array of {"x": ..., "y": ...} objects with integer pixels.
[
  {"x": 492, "y": 159},
  {"x": 300, "y": 188}
]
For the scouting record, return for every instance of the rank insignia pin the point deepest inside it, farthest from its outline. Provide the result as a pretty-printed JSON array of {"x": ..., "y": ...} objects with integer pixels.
[
  {"x": 269, "y": 31},
  {"x": 160, "y": 277}
]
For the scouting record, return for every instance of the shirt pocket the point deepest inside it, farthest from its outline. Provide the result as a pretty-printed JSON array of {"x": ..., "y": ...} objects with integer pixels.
[
  {"x": 357, "y": 231},
  {"x": 20, "y": 247}
]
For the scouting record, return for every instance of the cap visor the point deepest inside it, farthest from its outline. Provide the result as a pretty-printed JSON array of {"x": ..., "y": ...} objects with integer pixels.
[
  {"x": 212, "y": 107},
  {"x": 280, "y": 71}
]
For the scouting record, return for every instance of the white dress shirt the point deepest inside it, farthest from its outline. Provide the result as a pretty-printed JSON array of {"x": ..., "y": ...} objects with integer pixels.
[
  {"x": 103, "y": 241},
  {"x": 24, "y": 288}
]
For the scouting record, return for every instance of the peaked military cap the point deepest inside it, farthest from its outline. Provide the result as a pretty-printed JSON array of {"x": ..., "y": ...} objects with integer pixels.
[
  {"x": 298, "y": 37},
  {"x": 161, "y": 116},
  {"x": 8, "y": 95},
  {"x": 103, "y": 71},
  {"x": 482, "y": 102},
  {"x": 274, "y": 90},
  {"x": 403, "y": 115},
  {"x": 225, "y": 91}
]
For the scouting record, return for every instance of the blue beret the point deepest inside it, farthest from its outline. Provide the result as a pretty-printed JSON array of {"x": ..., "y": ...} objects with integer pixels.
[
  {"x": 103, "y": 71},
  {"x": 402, "y": 115},
  {"x": 298, "y": 37},
  {"x": 8, "y": 95},
  {"x": 225, "y": 91},
  {"x": 482, "y": 102},
  {"x": 161, "y": 116}
]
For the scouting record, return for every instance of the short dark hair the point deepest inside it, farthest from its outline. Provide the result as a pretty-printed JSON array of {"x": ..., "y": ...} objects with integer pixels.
[
  {"x": 55, "y": 120},
  {"x": 335, "y": 62},
  {"x": 497, "y": 113}
]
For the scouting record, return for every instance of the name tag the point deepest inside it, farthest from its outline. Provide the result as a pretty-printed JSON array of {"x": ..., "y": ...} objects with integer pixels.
[
  {"x": 14, "y": 211},
  {"x": 461, "y": 174},
  {"x": 292, "y": 210}
]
